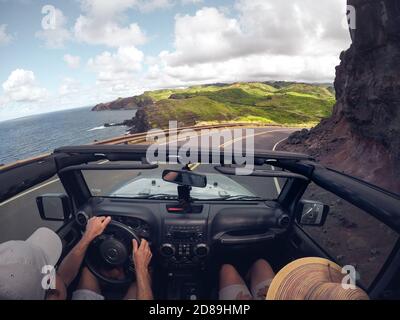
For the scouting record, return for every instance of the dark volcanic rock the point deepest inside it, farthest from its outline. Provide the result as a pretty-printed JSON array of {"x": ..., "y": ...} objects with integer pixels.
[
  {"x": 298, "y": 136},
  {"x": 131, "y": 103},
  {"x": 363, "y": 135},
  {"x": 140, "y": 122}
]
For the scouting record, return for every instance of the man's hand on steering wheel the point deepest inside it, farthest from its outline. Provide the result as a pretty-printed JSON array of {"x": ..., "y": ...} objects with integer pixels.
[
  {"x": 141, "y": 255},
  {"x": 95, "y": 227},
  {"x": 112, "y": 251}
]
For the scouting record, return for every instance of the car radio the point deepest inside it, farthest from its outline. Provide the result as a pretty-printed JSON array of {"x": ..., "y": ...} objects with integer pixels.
[{"x": 184, "y": 245}]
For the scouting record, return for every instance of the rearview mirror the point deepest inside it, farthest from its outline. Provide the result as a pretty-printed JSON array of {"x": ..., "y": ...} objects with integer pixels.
[
  {"x": 185, "y": 178},
  {"x": 54, "y": 207},
  {"x": 311, "y": 213}
]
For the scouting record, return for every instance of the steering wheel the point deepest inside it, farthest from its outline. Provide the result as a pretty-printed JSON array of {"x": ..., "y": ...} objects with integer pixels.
[{"x": 113, "y": 249}]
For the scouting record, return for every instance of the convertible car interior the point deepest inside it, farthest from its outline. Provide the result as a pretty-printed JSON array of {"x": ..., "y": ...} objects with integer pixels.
[{"x": 199, "y": 216}]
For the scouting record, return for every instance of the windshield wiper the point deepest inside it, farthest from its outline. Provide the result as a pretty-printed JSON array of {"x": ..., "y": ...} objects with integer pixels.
[
  {"x": 241, "y": 197},
  {"x": 248, "y": 198},
  {"x": 162, "y": 197},
  {"x": 175, "y": 197},
  {"x": 148, "y": 196}
]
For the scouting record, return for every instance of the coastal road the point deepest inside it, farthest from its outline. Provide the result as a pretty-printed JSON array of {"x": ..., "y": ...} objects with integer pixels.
[{"x": 19, "y": 216}]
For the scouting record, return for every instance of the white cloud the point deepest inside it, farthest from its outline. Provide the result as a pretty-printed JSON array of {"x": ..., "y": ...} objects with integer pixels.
[
  {"x": 263, "y": 26},
  {"x": 21, "y": 86},
  {"x": 151, "y": 5},
  {"x": 118, "y": 72},
  {"x": 72, "y": 61},
  {"x": 69, "y": 86},
  {"x": 91, "y": 31},
  {"x": 5, "y": 38},
  {"x": 294, "y": 27},
  {"x": 106, "y": 9},
  {"x": 206, "y": 36},
  {"x": 56, "y": 36},
  {"x": 251, "y": 68},
  {"x": 267, "y": 39},
  {"x": 103, "y": 21},
  {"x": 101, "y": 24},
  {"x": 191, "y": 1}
]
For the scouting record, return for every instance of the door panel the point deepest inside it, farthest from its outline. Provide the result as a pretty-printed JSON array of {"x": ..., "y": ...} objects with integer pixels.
[
  {"x": 301, "y": 245},
  {"x": 350, "y": 236},
  {"x": 70, "y": 235}
]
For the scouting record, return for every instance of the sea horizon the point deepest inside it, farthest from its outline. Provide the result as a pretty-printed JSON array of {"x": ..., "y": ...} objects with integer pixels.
[
  {"x": 29, "y": 136},
  {"x": 44, "y": 113}
]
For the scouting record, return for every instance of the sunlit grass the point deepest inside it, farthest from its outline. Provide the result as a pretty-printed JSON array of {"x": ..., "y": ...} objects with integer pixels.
[{"x": 293, "y": 104}]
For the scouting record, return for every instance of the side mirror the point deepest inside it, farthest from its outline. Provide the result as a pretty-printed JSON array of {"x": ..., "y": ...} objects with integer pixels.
[
  {"x": 54, "y": 207},
  {"x": 311, "y": 213},
  {"x": 185, "y": 178}
]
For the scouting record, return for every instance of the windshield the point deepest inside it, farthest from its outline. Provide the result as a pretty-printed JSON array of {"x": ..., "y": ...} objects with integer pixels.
[{"x": 148, "y": 184}]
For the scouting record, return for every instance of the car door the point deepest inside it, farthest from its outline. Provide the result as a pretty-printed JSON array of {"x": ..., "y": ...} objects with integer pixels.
[
  {"x": 351, "y": 236},
  {"x": 19, "y": 214}
]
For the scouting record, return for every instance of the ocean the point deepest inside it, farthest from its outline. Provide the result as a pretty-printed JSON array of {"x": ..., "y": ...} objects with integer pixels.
[{"x": 34, "y": 135}]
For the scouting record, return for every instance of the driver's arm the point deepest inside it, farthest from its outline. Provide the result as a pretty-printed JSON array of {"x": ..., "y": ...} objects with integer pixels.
[
  {"x": 71, "y": 264},
  {"x": 142, "y": 257}
]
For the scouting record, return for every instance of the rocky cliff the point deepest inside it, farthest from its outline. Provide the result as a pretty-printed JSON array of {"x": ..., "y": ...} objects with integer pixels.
[
  {"x": 363, "y": 135},
  {"x": 131, "y": 103}
]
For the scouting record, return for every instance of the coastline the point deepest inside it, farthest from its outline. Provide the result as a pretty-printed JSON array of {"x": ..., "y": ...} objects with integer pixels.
[{"x": 29, "y": 136}]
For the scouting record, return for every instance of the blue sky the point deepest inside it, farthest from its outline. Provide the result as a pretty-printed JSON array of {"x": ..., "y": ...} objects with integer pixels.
[{"x": 98, "y": 50}]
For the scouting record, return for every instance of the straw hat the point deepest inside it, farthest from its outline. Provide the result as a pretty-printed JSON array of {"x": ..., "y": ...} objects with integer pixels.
[{"x": 312, "y": 279}]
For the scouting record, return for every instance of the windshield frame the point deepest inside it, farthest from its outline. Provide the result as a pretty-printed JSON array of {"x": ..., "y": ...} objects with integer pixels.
[{"x": 246, "y": 196}]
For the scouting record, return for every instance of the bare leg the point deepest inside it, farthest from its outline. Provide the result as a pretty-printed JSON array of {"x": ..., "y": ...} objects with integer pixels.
[
  {"x": 230, "y": 277},
  {"x": 89, "y": 282},
  {"x": 261, "y": 275},
  {"x": 132, "y": 292}
]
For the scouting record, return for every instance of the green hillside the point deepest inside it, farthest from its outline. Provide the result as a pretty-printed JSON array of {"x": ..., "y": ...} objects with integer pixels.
[{"x": 280, "y": 103}]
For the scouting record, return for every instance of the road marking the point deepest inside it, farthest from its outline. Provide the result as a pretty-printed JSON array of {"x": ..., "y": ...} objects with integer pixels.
[
  {"x": 277, "y": 185},
  {"x": 278, "y": 143},
  {"x": 242, "y": 138},
  {"x": 252, "y": 135},
  {"x": 194, "y": 166},
  {"x": 276, "y": 182}
]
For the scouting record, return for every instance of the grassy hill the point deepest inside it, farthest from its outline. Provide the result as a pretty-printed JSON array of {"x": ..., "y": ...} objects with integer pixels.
[{"x": 280, "y": 103}]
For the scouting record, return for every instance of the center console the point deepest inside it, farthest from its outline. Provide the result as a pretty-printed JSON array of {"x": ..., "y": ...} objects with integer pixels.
[
  {"x": 184, "y": 243},
  {"x": 184, "y": 251}
]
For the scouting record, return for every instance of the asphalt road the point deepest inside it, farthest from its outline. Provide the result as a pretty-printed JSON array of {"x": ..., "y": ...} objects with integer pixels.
[{"x": 19, "y": 216}]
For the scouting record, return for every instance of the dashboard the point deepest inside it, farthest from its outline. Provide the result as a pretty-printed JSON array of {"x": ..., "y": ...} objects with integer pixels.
[
  {"x": 139, "y": 226},
  {"x": 185, "y": 240}
]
